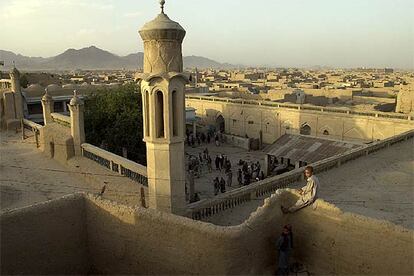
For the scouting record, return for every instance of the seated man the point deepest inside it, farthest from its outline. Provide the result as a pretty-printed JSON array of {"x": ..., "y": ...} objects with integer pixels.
[{"x": 308, "y": 193}]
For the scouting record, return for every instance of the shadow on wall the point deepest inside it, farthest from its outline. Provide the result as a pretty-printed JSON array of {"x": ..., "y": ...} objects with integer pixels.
[{"x": 96, "y": 236}]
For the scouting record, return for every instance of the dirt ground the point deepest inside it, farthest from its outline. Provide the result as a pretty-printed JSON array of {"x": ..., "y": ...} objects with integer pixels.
[{"x": 204, "y": 185}]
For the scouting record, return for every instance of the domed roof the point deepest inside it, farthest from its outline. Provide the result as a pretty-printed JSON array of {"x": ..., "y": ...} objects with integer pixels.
[
  {"x": 70, "y": 86},
  {"x": 53, "y": 87},
  {"x": 85, "y": 84},
  {"x": 162, "y": 22},
  {"x": 162, "y": 27},
  {"x": 35, "y": 88}
]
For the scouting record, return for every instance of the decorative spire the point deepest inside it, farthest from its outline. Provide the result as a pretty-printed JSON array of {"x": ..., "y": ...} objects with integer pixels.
[
  {"x": 47, "y": 97},
  {"x": 162, "y": 3},
  {"x": 75, "y": 99}
]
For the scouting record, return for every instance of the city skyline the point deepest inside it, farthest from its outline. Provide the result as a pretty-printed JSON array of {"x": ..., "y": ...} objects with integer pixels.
[{"x": 265, "y": 33}]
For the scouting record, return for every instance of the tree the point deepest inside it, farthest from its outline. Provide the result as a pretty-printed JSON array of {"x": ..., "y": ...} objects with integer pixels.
[
  {"x": 23, "y": 81},
  {"x": 113, "y": 120}
]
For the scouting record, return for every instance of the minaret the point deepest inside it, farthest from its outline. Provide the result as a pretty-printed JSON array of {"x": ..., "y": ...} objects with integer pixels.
[
  {"x": 162, "y": 87},
  {"x": 17, "y": 90},
  {"x": 48, "y": 107},
  {"x": 77, "y": 129}
]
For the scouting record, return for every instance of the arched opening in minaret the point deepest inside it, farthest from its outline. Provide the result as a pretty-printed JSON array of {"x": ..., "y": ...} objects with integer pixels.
[
  {"x": 220, "y": 125},
  {"x": 159, "y": 114},
  {"x": 147, "y": 115},
  {"x": 175, "y": 113}
]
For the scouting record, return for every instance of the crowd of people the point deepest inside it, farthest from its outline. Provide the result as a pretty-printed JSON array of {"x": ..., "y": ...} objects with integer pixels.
[
  {"x": 249, "y": 172},
  {"x": 200, "y": 138},
  {"x": 198, "y": 165}
]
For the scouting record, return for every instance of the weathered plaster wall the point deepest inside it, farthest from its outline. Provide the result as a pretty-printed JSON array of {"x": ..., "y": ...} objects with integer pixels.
[
  {"x": 48, "y": 238},
  {"x": 57, "y": 142},
  {"x": 124, "y": 241},
  {"x": 274, "y": 122},
  {"x": 333, "y": 242},
  {"x": 55, "y": 236}
]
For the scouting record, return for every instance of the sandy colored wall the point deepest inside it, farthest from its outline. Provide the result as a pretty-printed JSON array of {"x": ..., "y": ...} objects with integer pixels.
[
  {"x": 48, "y": 238},
  {"x": 330, "y": 241},
  {"x": 57, "y": 142},
  {"x": 122, "y": 240},
  {"x": 274, "y": 122},
  {"x": 148, "y": 242}
]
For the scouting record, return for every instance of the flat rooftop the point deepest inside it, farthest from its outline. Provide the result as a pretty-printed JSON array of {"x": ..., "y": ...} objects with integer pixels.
[{"x": 308, "y": 149}]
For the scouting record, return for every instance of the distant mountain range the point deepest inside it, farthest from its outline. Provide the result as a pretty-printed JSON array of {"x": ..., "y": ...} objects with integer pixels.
[{"x": 93, "y": 58}]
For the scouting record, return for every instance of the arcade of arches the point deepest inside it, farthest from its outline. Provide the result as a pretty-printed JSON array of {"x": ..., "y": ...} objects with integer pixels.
[{"x": 242, "y": 120}]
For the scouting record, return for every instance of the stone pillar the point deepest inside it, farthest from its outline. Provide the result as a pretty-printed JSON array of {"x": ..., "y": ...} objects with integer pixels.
[
  {"x": 48, "y": 107},
  {"x": 163, "y": 88},
  {"x": 17, "y": 90},
  {"x": 194, "y": 128},
  {"x": 266, "y": 165},
  {"x": 77, "y": 128}
]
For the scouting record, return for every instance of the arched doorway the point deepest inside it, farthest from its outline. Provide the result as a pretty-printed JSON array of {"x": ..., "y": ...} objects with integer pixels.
[
  {"x": 305, "y": 129},
  {"x": 220, "y": 125}
]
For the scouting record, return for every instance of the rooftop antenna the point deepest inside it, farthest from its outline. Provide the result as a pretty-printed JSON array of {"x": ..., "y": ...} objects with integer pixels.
[{"x": 162, "y": 3}]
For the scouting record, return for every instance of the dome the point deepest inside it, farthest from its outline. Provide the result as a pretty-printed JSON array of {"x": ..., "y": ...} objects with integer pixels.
[
  {"x": 35, "y": 88},
  {"x": 85, "y": 84},
  {"x": 53, "y": 87},
  {"x": 162, "y": 27},
  {"x": 70, "y": 86},
  {"x": 162, "y": 22}
]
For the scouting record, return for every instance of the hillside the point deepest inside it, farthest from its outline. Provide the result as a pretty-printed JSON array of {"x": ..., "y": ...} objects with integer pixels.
[{"x": 93, "y": 58}]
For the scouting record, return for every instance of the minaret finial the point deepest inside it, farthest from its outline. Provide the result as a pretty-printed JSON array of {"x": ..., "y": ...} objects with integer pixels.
[{"x": 162, "y": 3}]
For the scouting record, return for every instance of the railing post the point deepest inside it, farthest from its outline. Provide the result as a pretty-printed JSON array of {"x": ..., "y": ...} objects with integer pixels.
[
  {"x": 36, "y": 138},
  {"x": 22, "y": 125}
]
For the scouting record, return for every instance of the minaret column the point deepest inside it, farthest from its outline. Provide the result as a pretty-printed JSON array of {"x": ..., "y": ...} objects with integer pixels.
[
  {"x": 48, "y": 107},
  {"x": 17, "y": 90},
  {"x": 163, "y": 88},
  {"x": 76, "y": 107}
]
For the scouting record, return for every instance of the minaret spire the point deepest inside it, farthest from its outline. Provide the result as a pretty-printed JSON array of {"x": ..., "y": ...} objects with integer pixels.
[{"x": 162, "y": 3}]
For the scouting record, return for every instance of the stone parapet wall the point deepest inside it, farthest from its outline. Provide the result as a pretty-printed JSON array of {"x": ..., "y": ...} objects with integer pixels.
[
  {"x": 47, "y": 238},
  {"x": 124, "y": 240}
]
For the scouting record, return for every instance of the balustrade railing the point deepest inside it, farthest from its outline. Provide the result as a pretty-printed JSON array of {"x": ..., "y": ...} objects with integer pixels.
[
  {"x": 33, "y": 127},
  {"x": 61, "y": 119},
  {"x": 116, "y": 163},
  {"x": 206, "y": 208}
]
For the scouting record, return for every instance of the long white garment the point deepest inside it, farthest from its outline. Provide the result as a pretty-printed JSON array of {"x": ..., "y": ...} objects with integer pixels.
[{"x": 310, "y": 192}]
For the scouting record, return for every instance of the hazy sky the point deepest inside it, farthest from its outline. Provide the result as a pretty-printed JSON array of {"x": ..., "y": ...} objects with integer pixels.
[{"x": 346, "y": 33}]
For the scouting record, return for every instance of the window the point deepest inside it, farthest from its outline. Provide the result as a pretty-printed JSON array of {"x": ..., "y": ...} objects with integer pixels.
[
  {"x": 251, "y": 122},
  {"x": 326, "y": 132},
  {"x": 175, "y": 111},
  {"x": 305, "y": 130},
  {"x": 159, "y": 114},
  {"x": 58, "y": 107}
]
